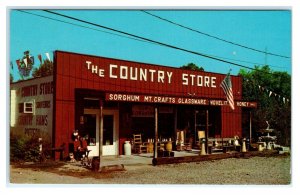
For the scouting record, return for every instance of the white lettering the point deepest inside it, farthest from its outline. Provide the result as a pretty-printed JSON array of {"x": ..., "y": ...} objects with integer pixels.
[
  {"x": 192, "y": 78},
  {"x": 101, "y": 73},
  {"x": 152, "y": 74},
  {"x": 88, "y": 64},
  {"x": 123, "y": 72},
  {"x": 206, "y": 81},
  {"x": 199, "y": 80},
  {"x": 133, "y": 76},
  {"x": 242, "y": 104},
  {"x": 169, "y": 74},
  {"x": 185, "y": 80},
  {"x": 213, "y": 82},
  {"x": 111, "y": 67},
  {"x": 160, "y": 76},
  {"x": 143, "y": 74},
  {"x": 94, "y": 69}
]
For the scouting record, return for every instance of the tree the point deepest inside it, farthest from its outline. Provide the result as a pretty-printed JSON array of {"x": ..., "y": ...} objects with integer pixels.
[
  {"x": 191, "y": 66},
  {"x": 46, "y": 69},
  {"x": 11, "y": 78},
  {"x": 261, "y": 85}
]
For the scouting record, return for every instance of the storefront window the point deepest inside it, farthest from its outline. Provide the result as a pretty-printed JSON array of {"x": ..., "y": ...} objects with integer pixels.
[
  {"x": 89, "y": 130},
  {"x": 108, "y": 129}
]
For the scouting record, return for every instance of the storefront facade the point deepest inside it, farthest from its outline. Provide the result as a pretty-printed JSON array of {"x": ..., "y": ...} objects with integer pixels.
[{"x": 108, "y": 100}]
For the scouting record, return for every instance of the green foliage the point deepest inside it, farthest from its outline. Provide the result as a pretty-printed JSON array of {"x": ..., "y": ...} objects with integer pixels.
[
  {"x": 192, "y": 66},
  {"x": 17, "y": 148},
  {"x": 46, "y": 69},
  {"x": 270, "y": 108},
  {"x": 11, "y": 78},
  {"x": 25, "y": 148}
]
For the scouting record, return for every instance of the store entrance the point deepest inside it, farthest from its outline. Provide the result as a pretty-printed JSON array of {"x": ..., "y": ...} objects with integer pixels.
[
  {"x": 110, "y": 132},
  {"x": 93, "y": 130}
]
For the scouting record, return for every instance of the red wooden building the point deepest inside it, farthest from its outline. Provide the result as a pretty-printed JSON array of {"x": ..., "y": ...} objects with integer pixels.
[{"x": 108, "y": 100}]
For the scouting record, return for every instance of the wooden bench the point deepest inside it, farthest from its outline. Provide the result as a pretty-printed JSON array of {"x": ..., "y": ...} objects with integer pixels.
[
  {"x": 220, "y": 141},
  {"x": 52, "y": 151},
  {"x": 223, "y": 145}
]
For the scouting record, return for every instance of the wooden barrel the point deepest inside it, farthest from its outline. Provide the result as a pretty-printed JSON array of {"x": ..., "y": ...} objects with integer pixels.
[
  {"x": 150, "y": 147},
  {"x": 95, "y": 164},
  {"x": 169, "y": 146}
]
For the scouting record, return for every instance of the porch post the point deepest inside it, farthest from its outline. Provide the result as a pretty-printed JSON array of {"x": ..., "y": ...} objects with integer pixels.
[
  {"x": 250, "y": 127},
  {"x": 195, "y": 130},
  {"x": 206, "y": 132},
  {"x": 101, "y": 129},
  {"x": 156, "y": 134},
  {"x": 175, "y": 124}
]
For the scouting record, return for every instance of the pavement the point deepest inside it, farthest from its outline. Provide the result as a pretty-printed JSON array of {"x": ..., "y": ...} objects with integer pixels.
[{"x": 139, "y": 159}]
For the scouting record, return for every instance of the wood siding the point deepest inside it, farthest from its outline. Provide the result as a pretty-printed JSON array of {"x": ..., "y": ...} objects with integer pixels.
[{"x": 71, "y": 73}]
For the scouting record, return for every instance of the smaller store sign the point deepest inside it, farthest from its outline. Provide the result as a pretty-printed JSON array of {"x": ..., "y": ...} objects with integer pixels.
[
  {"x": 173, "y": 100},
  {"x": 246, "y": 104},
  {"x": 154, "y": 99}
]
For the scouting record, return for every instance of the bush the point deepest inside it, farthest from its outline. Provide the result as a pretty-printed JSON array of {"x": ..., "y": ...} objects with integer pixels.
[
  {"x": 17, "y": 148},
  {"x": 24, "y": 148}
]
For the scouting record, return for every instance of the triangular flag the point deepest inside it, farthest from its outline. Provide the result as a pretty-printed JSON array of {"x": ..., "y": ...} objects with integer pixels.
[
  {"x": 31, "y": 59},
  {"x": 25, "y": 61},
  {"x": 40, "y": 58},
  {"x": 18, "y": 63},
  {"x": 48, "y": 56},
  {"x": 270, "y": 93}
]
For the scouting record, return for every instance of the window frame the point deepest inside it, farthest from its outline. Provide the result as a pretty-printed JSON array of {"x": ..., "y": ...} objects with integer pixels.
[{"x": 26, "y": 107}]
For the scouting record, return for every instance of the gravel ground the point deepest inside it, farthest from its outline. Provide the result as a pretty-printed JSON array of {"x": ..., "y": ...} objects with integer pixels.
[{"x": 255, "y": 170}]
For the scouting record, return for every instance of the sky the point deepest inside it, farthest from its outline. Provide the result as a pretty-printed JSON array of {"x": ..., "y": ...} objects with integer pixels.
[{"x": 264, "y": 30}]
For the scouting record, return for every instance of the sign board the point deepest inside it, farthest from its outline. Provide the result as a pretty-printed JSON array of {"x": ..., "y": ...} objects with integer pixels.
[
  {"x": 173, "y": 100},
  {"x": 32, "y": 106}
]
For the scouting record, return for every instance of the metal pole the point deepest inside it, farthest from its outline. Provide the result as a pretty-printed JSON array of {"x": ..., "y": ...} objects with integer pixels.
[
  {"x": 101, "y": 131},
  {"x": 250, "y": 128},
  {"x": 206, "y": 132},
  {"x": 195, "y": 127},
  {"x": 156, "y": 134},
  {"x": 175, "y": 121}
]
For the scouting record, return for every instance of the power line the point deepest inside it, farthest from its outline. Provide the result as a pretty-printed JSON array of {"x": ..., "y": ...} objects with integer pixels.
[
  {"x": 134, "y": 38},
  {"x": 215, "y": 37},
  {"x": 82, "y": 26},
  {"x": 150, "y": 40},
  {"x": 62, "y": 21},
  {"x": 257, "y": 63}
]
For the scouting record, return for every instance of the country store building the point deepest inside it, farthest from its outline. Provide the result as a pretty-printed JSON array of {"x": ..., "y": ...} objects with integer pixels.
[{"x": 108, "y": 100}]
